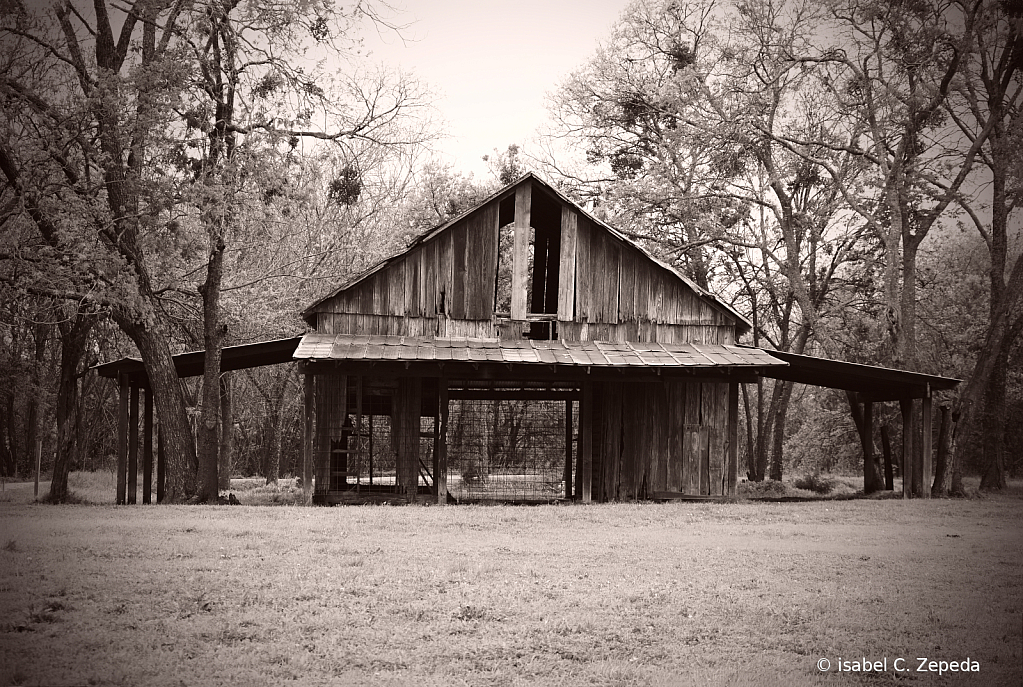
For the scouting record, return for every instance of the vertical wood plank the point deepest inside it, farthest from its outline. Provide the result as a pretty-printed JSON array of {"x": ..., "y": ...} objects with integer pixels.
[
  {"x": 612, "y": 450},
  {"x": 658, "y": 444},
  {"x": 440, "y": 469},
  {"x": 612, "y": 276},
  {"x": 691, "y": 451},
  {"x": 307, "y": 438},
  {"x": 359, "y": 435},
  {"x": 523, "y": 206},
  {"x": 122, "y": 436},
  {"x": 716, "y": 420},
  {"x": 568, "y": 449},
  {"x": 444, "y": 273},
  {"x": 704, "y": 459},
  {"x": 566, "y": 276},
  {"x": 676, "y": 436},
  {"x": 867, "y": 442},
  {"x": 406, "y": 406},
  {"x": 583, "y": 273},
  {"x": 482, "y": 263},
  {"x": 147, "y": 449},
  {"x": 133, "y": 446},
  {"x": 906, "y": 406},
  {"x": 431, "y": 287},
  {"x": 586, "y": 442},
  {"x": 732, "y": 441},
  {"x": 924, "y": 484},
  {"x": 627, "y": 288},
  {"x": 458, "y": 241}
]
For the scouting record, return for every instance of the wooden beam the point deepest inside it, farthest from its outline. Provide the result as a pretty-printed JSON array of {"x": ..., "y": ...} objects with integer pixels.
[
  {"x": 133, "y": 446},
  {"x": 568, "y": 449},
  {"x": 926, "y": 477},
  {"x": 307, "y": 440},
  {"x": 122, "y": 436},
  {"x": 867, "y": 442},
  {"x": 886, "y": 452},
  {"x": 512, "y": 395},
  {"x": 732, "y": 471},
  {"x": 566, "y": 276},
  {"x": 359, "y": 434},
  {"x": 906, "y": 405},
  {"x": 520, "y": 251},
  {"x": 585, "y": 466},
  {"x": 440, "y": 468},
  {"x": 147, "y": 449}
]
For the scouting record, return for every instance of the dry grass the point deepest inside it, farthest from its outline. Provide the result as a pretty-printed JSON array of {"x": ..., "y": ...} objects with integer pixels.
[{"x": 636, "y": 594}]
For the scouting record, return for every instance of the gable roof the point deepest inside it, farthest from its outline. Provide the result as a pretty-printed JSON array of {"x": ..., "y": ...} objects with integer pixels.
[{"x": 743, "y": 325}]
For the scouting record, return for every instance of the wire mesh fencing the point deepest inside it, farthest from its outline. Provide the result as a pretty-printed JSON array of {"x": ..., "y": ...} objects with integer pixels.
[{"x": 507, "y": 450}]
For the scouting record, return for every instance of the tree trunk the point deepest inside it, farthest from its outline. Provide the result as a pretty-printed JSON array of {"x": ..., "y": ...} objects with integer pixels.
[
  {"x": 886, "y": 451},
  {"x": 72, "y": 349},
  {"x": 213, "y": 338},
  {"x": 872, "y": 478},
  {"x": 36, "y": 409},
  {"x": 226, "y": 431},
  {"x": 175, "y": 430},
  {"x": 778, "y": 437},
  {"x": 993, "y": 423},
  {"x": 941, "y": 472}
]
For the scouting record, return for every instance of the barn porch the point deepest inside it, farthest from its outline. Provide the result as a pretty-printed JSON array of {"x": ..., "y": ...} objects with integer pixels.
[
  {"x": 539, "y": 389},
  {"x": 470, "y": 420}
]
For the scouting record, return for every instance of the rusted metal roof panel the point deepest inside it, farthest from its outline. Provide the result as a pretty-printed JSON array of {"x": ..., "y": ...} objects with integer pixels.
[{"x": 318, "y": 346}]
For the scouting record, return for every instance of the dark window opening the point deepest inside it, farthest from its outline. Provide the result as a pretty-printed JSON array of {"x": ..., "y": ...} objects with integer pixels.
[
  {"x": 543, "y": 262},
  {"x": 505, "y": 253},
  {"x": 546, "y": 264}
]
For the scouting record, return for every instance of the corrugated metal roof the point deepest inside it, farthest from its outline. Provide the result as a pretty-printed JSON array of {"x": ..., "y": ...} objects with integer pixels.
[{"x": 318, "y": 346}]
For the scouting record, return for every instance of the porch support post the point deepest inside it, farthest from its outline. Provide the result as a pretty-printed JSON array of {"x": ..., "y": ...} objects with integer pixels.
[
  {"x": 440, "y": 456},
  {"x": 923, "y": 485},
  {"x": 568, "y": 449},
  {"x": 122, "y": 435},
  {"x": 307, "y": 439},
  {"x": 147, "y": 449},
  {"x": 867, "y": 440},
  {"x": 585, "y": 465},
  {"x": 133, "y": 446},
  {"x": 732, "y": 445},
  {"x": 908, "y": 457}
]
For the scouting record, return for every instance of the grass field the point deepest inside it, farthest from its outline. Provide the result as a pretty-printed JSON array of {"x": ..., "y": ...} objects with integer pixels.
[{"x": 621, "y": 594}]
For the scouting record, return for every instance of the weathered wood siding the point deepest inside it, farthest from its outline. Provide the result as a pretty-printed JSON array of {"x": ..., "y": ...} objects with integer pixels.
[
  {"x": 446, "y": 279},
  {"x": 656, "y": 437},
  {"x": 646, "y": 331},
  {"x": 348, "y": 323},
  {"x": 606, "y": 288},
  {"x": 610, "y": 291}
]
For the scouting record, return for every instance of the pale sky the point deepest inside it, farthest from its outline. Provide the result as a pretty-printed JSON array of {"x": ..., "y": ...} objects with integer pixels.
[{"x": 491, "y": 63}]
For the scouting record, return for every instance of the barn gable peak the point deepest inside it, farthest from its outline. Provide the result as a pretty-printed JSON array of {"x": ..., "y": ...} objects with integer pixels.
[{"x": 527, "y": 262}]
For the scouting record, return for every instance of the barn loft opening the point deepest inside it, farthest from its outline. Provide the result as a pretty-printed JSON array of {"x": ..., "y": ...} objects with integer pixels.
[{"x": 540, "y": 254}]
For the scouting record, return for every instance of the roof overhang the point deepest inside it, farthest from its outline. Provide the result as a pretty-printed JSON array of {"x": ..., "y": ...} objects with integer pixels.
[
  {"x": 506, "y": 359},
  {"x": 191, "y": 364},
  {"x": 871, "y": 382}
]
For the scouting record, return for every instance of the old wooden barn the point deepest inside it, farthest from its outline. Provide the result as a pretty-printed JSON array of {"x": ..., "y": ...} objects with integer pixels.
[{"x": 526, "y": 351}]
